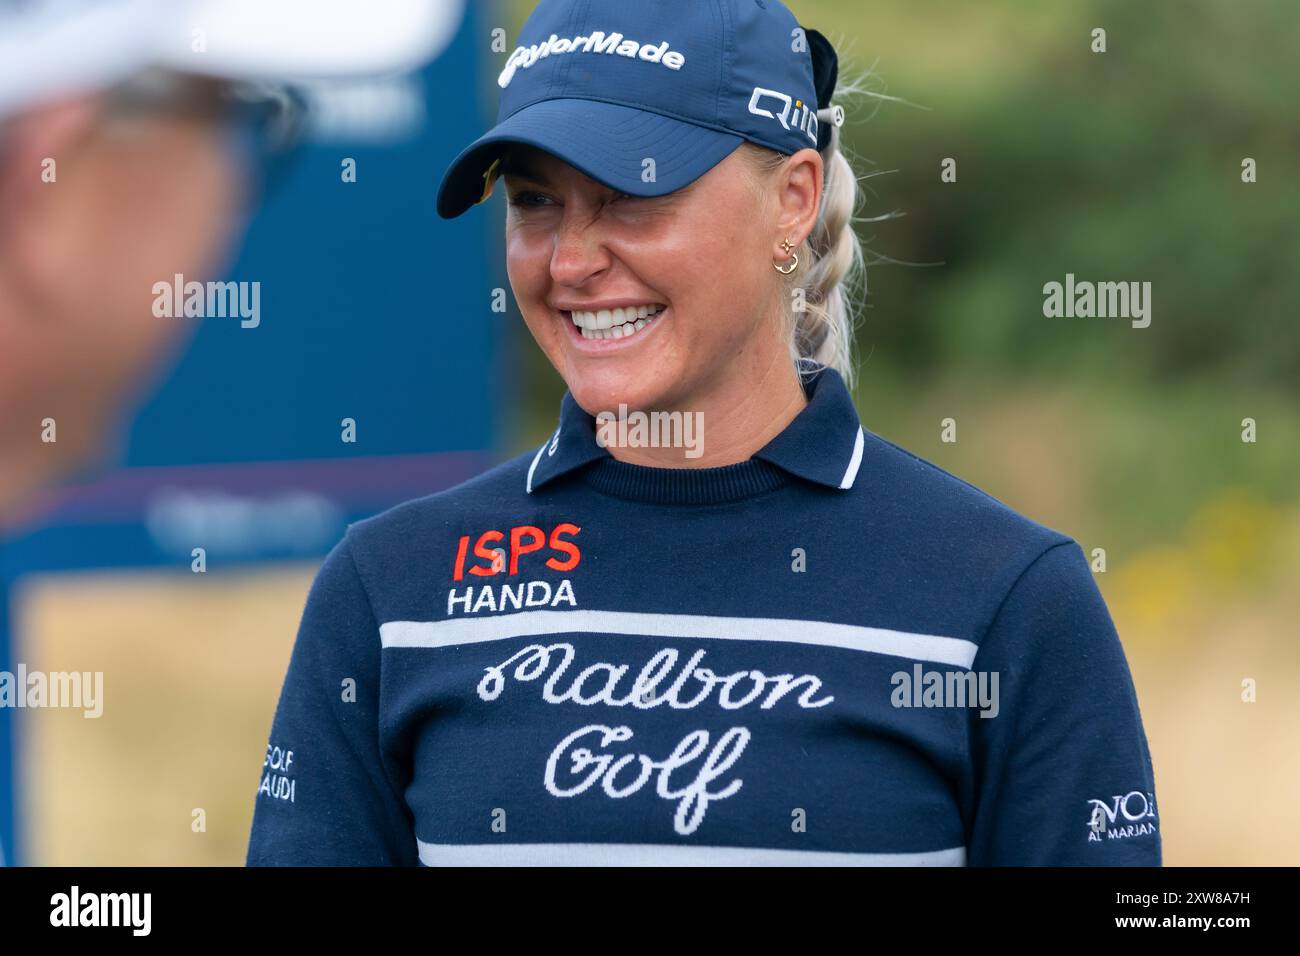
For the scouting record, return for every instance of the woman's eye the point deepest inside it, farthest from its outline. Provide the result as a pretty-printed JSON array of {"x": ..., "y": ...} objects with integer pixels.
[
  {"x": 525, "y": 198},
  {"x": 533, "y": 198}
]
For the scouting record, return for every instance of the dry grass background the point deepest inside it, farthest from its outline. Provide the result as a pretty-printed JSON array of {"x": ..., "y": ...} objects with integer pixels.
[
  {"x": 192, "y": 670},
  {"x": 1227, "y": 772}
]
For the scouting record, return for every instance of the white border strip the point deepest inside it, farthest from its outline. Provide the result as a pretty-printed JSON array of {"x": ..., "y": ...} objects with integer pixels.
[
  {"x": 665, "y": 854},
  {"x": 476, "y": 630},
  {"x": 528, "y": 486},
  {"x": 855, "y": 462}
]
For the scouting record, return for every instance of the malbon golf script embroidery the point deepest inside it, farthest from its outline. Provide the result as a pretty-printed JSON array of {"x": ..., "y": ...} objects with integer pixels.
[{"x": 583, "y": 760}]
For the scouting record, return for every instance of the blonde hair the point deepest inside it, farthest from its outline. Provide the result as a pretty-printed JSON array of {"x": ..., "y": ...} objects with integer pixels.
[{"x": 832, "y": 270}]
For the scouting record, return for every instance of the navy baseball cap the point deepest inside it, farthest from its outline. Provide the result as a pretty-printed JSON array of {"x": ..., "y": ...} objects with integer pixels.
[{"x": 609, "y": 85}]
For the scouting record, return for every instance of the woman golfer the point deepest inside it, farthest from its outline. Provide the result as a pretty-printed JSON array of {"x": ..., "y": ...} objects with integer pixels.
[{"x": 711, "y": 620}]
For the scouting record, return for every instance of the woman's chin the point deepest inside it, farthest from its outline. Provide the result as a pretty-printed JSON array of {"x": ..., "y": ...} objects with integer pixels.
[
  {"x": 605, "y": 384},
  {"x": 605, "y": 391}
]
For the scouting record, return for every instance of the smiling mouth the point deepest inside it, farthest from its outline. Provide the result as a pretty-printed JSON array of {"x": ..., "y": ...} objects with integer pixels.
[{"x": 614, "y": 323}]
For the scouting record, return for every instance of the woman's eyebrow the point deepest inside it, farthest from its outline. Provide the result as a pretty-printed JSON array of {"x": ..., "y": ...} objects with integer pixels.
[{"x": 522, "y": 169}]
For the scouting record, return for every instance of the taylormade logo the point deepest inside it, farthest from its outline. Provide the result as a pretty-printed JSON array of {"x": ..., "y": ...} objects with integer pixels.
[{"x": 598, "y": 42}]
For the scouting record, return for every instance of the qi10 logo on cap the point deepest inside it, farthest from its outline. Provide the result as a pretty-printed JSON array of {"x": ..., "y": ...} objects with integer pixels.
[
  {"x": 804, "y": 119},
  {"x": 597, "y": 42}
]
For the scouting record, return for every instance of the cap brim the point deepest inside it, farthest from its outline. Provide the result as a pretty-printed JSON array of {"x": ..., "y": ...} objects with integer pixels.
[{"x": 607, "y": 142}]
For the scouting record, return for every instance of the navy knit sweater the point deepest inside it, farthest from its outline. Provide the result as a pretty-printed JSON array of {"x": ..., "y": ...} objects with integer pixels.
[{"x": 833, "y": 652}]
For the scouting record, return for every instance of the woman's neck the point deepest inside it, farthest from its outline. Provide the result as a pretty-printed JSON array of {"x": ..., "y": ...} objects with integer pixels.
[{"x": 726, "y": 425}]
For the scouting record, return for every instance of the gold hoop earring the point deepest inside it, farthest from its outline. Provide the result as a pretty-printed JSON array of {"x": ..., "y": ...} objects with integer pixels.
[{"x": 787, "y": 247}]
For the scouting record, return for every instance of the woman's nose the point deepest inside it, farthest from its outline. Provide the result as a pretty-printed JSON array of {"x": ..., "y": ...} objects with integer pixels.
[{"x": 580, "y": 250}]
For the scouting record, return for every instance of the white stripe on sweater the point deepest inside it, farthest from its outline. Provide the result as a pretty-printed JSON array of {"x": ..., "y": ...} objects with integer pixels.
[
  {"x": 498, "y": 627},
  {"x": 665, "y": 854},
  {"x": 855, "y": 461}
]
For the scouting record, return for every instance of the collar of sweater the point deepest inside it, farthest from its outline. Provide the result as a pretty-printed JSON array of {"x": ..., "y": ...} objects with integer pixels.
[{"x": 822, "y": 445}]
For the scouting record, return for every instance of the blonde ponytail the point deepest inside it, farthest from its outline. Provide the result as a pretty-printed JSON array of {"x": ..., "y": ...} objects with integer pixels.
[{"x": 832, "y": 271}]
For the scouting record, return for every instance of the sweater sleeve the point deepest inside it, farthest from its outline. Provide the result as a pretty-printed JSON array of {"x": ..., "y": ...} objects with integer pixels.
[
  {"x": 1062, "y": 773},
  {"x": 324, "y": 795}
]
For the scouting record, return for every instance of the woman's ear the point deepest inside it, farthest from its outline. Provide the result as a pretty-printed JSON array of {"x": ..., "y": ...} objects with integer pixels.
[{"x": 800, "y": 195}]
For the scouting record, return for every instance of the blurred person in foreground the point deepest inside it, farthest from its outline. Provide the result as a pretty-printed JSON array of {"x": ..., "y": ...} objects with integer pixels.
[{"x": 133, "y": 136}]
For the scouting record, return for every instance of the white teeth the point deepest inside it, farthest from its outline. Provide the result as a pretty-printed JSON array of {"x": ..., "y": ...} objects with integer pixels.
[
  {"x": 608, "y": 318},
  {"x": 615, "y": 323}
]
